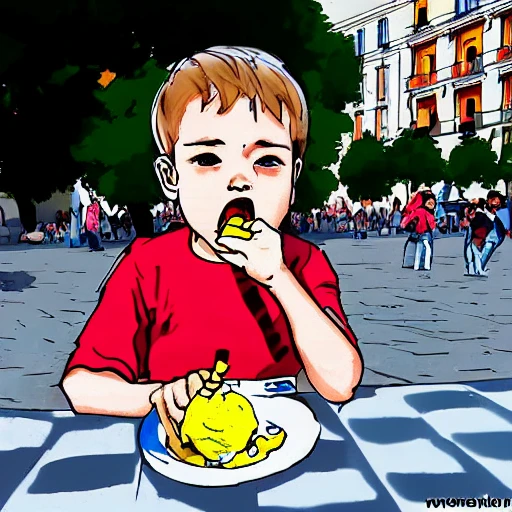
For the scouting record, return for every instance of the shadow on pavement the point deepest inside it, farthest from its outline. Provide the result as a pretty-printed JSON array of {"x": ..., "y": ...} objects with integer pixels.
[{"x": 15, "y": 281}]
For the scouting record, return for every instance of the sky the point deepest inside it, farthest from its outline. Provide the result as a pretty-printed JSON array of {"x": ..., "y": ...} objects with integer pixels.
[{"x": 338, "y": 10}]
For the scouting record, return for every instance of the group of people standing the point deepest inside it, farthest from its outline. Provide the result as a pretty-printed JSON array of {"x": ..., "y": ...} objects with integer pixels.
[
  {"x": 486, "y": 222},
  {"x": 332, "y": 219},
  {"x": 93, "y": 219}
]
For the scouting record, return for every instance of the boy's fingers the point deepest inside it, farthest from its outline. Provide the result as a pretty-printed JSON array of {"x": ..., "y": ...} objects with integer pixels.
[
  {"x": 173, "y": 410},
  {"x": 205, "y": 374},
  {"x": 194, "y": 384},
  {"x": 179, "y": 390}
]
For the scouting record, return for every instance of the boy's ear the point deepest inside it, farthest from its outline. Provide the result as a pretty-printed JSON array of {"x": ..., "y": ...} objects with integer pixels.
[
  {"x": 297, "y": 168},
  {"x": 168, "y": 176}
]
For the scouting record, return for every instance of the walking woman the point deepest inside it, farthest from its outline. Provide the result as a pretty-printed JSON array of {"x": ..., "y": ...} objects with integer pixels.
[{"x": 419, "y": 220}]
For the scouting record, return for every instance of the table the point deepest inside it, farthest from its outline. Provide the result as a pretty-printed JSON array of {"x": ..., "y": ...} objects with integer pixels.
[{"x": 387, "y": 450}]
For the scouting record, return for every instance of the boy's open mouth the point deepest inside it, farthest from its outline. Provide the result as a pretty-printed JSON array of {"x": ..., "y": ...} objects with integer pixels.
[{"x": 242, "y": 206}]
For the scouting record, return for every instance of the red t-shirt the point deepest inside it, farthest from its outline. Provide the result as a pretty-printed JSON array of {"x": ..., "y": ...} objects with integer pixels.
[{"x": 164, "y": 312}]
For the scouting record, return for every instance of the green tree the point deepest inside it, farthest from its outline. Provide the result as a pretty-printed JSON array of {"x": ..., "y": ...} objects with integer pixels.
[
  {"x": 505, "y": 168},
  {"x": 121, "y": 36},
  {"x": 415, "y": 159},
  {"x": 364, "y": 170},
  {"x": 472, "y": 161}
]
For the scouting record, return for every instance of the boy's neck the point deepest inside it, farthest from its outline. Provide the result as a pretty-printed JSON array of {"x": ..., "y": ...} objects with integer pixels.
[{"x": 202, "y": 249}]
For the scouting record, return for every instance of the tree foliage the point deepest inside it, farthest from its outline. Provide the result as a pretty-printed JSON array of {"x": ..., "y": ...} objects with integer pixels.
[
  {"x": 52, "y": 102},
  {"x": 415, "y": 159},
  {"x": 473, "y": 161},
  {"x": 364, "y": 170}
]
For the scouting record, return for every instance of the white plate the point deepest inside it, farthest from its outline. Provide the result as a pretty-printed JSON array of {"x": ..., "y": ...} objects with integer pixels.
[{"x": 293, "y": 416}]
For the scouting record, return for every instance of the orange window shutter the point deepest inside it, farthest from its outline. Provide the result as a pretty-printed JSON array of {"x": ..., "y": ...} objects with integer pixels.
[
  {"x": 420, "y": 4},
  {"x": 507, "y": 31},
  {"x": 358, "y": 130},
  {"x": 507, "y": 93},
  {"x": 423, "y": 116},
  {"x": 378, "y": 124},
  {"x": 381, "y": 89}
]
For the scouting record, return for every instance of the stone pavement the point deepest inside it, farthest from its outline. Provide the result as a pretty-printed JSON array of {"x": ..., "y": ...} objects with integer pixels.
[
  {"x": 425, "y": 327},
  {"x": 413, "y": 327}
]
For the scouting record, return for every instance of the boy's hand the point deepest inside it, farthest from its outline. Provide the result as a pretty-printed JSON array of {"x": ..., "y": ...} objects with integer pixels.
[
  {"x": 261, "y": 256},
  {"x": 178, "y": 394}
]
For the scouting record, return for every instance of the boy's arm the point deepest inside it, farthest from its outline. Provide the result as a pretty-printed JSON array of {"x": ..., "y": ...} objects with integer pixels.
[
  {"x": 332, "y": 363},
  {"x": 106, "y": 392}
]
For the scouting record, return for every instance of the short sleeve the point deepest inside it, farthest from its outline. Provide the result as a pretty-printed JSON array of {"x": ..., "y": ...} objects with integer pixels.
[
  {"x": 114, "y": 333},
  {"x": 322, "y": 282}
]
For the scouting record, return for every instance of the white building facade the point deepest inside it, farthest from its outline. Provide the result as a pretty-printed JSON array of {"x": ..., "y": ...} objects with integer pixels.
[{"x": 440, "y": 66}]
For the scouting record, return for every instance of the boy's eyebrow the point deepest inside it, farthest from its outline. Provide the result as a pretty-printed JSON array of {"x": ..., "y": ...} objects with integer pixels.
[
  {"x": 268, "y": 144},
  {"x": 262, "y": 143},
  {"x": 206, "y": 142}
]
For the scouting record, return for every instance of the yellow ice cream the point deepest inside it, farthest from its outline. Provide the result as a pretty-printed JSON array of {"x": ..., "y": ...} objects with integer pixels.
[
  {"x": 219, "y": 428},
  {"x": 237, "y": 227},
  {"x": 219, "y": 425}
]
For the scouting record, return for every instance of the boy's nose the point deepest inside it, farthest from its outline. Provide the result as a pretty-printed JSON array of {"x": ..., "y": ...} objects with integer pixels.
[{"x": 240, "y": 183}]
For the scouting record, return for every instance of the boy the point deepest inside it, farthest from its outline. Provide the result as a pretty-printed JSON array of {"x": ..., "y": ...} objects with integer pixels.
[{"x": 231, "y": 126}]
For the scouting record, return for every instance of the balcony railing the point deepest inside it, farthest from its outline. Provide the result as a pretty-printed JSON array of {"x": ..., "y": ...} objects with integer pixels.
[
  {"x": 474, "y": 67},
  {"x": 422, "y": 80},
  {"x": 471, "y": 125},
  {"x": 506, "y": 114},
  {"x": 504, "y": 53}
]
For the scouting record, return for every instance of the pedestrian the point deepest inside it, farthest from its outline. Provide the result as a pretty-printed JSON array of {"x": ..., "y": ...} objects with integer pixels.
[
  {"x": 383, "y": 221},
  {"x": 420, "y": 222},
  {"x": 395, "y": 217},
  {"x": 92, "y": 225},
  {"x": 496, "y": 210},
  {"x": 478, "y": 229}
]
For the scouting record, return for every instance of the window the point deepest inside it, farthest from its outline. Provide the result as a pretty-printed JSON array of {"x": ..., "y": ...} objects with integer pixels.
[
  {"x": 469, "y": 108},
  {"x": 358, "y": 126},
  {"x": 421, "y": 14},
  {"x": 381, "y": 84},
  {"x": 469, "y": 50},
  {"x": 464, "y": 6},
  {"x": 360, "y": 42},
  {"x": 424, "y": 66},
  {"x": 383, "y": 33}
]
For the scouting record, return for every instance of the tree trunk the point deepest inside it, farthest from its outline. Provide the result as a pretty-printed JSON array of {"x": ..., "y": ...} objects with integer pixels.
[
  {"x": 142, "y": 219},
  {"x": 27, "y": 211}
]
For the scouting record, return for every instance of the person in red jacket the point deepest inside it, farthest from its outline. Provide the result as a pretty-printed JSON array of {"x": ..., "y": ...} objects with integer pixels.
[
  {"x": 419, "y": 220},
  {"x": 231, "y": 125}
]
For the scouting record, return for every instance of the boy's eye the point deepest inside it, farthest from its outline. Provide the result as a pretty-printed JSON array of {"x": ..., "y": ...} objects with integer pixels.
[
  {"x": 206, "y": 160},
  {"x": 269, "y": 162}
]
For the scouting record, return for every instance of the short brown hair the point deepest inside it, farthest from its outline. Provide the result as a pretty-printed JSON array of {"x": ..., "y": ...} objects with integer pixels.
[{"x": 230, "y": 73}]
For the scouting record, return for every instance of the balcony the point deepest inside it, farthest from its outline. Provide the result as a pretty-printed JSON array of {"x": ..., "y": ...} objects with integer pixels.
[
  {"x": 504, "y": 53},
  {"x": 465, "y": 68},
  {"x": 422, "y": 80}
]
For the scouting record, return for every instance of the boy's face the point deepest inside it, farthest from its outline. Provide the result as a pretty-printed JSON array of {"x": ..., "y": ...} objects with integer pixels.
[{"x": 232, "y": 163}]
